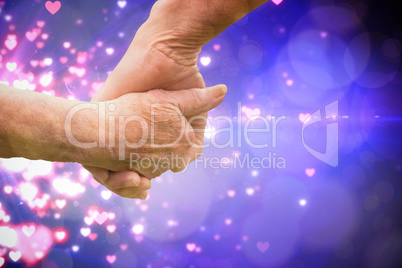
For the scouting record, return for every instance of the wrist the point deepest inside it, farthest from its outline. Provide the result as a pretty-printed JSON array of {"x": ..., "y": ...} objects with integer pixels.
[
  {"x": 174, "y": 24},
  {"x": 198, "y": 22},
  {"x": 84, "y": 132}
]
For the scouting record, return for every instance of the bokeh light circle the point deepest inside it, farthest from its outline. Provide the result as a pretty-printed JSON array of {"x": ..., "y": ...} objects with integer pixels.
[{"x": 177, "y": 206}]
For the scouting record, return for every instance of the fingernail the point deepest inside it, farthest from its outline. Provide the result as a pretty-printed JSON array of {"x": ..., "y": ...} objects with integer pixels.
[{"x": 219, "y": 90}]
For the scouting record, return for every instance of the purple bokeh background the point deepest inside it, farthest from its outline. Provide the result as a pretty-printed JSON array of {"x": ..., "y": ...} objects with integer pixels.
[{"x": 288, "y": 60}]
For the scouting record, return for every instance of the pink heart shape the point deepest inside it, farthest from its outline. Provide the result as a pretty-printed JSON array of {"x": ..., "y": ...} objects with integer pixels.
[
  {"x": 31, "y": 36},
  {"x": 111, "y": 258},
  {"x": 60, "y": 235},
  {"x": 28, "y": 231},
  {"x": 277, "y": 2},
  {"x": 93, "y": 236},
  {"x": 190, "y": 247},
  {"x": 111, "y": 228},
  {"x": 34, "y": 63},
  {"x": 310, "y": 172},
  {"x": 252, "y": 113},
  {"x": 11, "y": 44},
  {"x": 304, "y": 118},
  {"x": 61, "y": 203},
  {"x": 262, "y": 246},
  {"x": 11, "y": 66},
  {"x": 138, "y": 238},
  {"x": 85, "y": 231},
  {"x": 96, "y": 86},
  {"x": 63, "y": 60},
  {"x": 40, "y": 23},
  {"x": 53, "y": 7},
  {"x": 15, "y": 255},
  {"x": 101, "y": 218}
]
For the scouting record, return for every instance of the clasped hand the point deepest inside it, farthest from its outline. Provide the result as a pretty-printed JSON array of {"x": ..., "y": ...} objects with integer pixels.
[{"x": 150, "y": 133}]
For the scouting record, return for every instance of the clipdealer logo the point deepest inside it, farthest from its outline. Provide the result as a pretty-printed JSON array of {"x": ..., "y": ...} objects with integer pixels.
[{"x": 330, "y": 156}]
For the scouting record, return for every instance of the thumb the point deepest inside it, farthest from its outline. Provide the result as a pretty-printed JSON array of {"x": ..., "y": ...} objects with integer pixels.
[{"x": 199, "y": 100}]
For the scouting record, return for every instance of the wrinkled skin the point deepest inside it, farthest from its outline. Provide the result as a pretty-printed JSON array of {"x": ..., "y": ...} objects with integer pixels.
[{"x": 158, "y": 57}]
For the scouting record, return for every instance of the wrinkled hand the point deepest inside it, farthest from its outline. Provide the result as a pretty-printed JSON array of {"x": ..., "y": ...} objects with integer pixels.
[
  {"x": 157, "y": 58},
  {"x": 157, "y": 128}
]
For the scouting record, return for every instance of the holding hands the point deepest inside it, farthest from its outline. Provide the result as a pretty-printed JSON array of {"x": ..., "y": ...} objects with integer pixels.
[
  {"x": 156, "y": 131},
  {"x": 152, "y": 107}
]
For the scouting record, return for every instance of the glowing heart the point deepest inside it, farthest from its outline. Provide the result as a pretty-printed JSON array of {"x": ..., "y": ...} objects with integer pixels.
[
  {"x": 88, "y": 220},
  {"x": 205, "y": 61},
  {"x": 262, "y": 246},
  {"x": 31, "y": 36},
  {"x": 111, "y": 228},
  {"x": 34, "y": 63},
  {"x": 252, "y": 113},
  {"x": 106, "y": 194},
  {"x": 11, "y": 44},
  {"x": 15, "y": 255},
  {"x": 97, "y": 85},
  {"x": 138, "y": 238},
  {"x": 123, "y": 247},
  {"x": 82, "y": 57},
  {"x": 111, "y": 258},
  {"x": 310, "y": 172},
  {"x": 190, "y": 247},
  {"x": 93, "y": 236},
  {"x": 231, "y": 193},
  {"x": 40, "y": 23},
  {"x": 121, "y": 4},
  {"x": 11, "y": 66},
  {"x": 101, "y": 218},
  {"x": 1, "y": 261},
  {"x": 60, "y": 203},
  {"x": 304, "y": 118},
  {"x": 39, "y": 254},
  {"x": 40, "y": 45},
  {"x": 277, "y": 2},
  {"x": 80, "y": 72},
  {"x": 28, "y": 231},
  {"x": 85, "y": 231},
  {"x": 53, "y": 7},
  {"x": 217, "y": 47},
  {"x": 60, "y": 235}
]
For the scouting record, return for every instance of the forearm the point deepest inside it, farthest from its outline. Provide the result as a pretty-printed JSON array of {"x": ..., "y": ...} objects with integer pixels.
[
  {"x": 199, "y": 21},
  {"x": 32, "y": 126}
]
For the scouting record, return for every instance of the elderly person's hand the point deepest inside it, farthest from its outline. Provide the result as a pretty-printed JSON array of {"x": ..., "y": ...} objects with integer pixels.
[
  {"x": 165, "y": 50},
  {"x": 155, "y": 133}
]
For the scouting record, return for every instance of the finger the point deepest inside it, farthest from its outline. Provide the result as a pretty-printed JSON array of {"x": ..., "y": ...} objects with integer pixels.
[
  {"x": 133, "y": 191},
  {"x": 101, "y": 175},
  {"x": 199, "y": 100},
  {"x": 198, "y": 124},
  {"x": 122, "y": 179},
  {"x": 143, "y": 195},
  {"x": 196, "y": 141}
]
